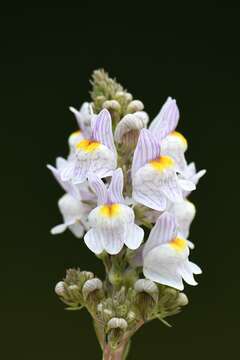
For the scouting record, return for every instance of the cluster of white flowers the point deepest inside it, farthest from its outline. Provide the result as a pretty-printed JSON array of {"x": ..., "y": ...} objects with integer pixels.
[{"x": 119, "y": 183}]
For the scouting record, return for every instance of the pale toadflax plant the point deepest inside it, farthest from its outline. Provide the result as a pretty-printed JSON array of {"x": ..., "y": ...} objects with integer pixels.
[{"x": 126, "y": 194}]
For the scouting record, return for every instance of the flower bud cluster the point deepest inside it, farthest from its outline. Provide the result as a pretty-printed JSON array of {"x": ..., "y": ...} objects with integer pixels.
[{"x": 79, "y": 288}]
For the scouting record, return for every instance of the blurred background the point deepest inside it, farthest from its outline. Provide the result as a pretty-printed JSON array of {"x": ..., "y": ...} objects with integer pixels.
[{"x": 48, "y": 55}]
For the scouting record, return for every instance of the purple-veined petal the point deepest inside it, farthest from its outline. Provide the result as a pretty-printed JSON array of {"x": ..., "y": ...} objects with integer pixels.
[
  {"x": 147, "y": 149},
  {"x": 93, "y": 242},
  {"x": 83, "y": 117},
  {"x": 167, "y": 119},
  {"x": 172, "y": 190},
  {"x": 156, "y": 201},
  {"x": 102, "y": 129},
  {"x": 99, "y": 188},
  {"x": 68, "y": 171},
  {"x": 130, "y": 122},
  {"x": 116, "y": 187},
  {"x": 134, "y": 236},
  {"x": 112, "y": 239},
  {"x": 163, "y": 232},
  {"x": 66, "y": 185}
]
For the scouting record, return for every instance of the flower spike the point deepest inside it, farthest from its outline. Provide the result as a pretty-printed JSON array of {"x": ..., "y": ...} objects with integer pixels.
[{"x": 128, "y": 201}]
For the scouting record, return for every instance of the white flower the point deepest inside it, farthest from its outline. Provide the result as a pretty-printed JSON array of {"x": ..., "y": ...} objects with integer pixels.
[
  {"x": 184, "y": 213},
  {"x": 163, "y": 127},
  {"x": 95, "y": 154},
  {"x": 112, "y": 221},
  {"x": 154, "y": 177},
  {"x": 79, "y": 191},
  {"x": 165, "y": 255},
  {"x": 67, "y": 185},
  {"x": 74, "y": 139},
  {"x": 190, "y": 173},
  {"x": 84, "y": 117},
  {"x": 75, "y": 214}
]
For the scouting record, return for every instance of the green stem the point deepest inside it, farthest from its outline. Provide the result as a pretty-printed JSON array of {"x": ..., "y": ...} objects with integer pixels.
[{"x": 119, "y": 354}]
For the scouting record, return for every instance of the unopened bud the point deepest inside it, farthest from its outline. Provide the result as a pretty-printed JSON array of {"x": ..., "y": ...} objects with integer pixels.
[
  {"x": 182, "y": 299},
  {"x": 86, "y": 275},
  {"x": 128, "y": 96},
  {"x": 73, "y": 288},
  {"x": 147, "y": 286},
  {"x": 91, "y": 286},
  {"x": 117, "y": 323},
  {"x": 135, "y": 105},
  {"x": 131, "y": 316},
  {"x": 111, "y": 105},
  {"x": 124, "y": 96},
  {"x": 59, "y": 288}
]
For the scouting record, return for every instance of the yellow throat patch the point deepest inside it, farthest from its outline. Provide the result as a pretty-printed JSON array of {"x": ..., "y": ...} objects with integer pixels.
[
  {"x": 162, "y": 163},
  {"x": 110, "y": 210},
  {"x": 87, "y": 145},
  {"x": 178, "y": 244}
]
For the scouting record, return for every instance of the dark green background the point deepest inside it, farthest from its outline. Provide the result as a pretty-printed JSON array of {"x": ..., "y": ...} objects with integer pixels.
[{"x": 48, "y": 54}]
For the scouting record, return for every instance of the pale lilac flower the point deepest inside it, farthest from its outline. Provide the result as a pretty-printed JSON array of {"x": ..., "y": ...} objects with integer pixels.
[
  {"x": 190, "y": 173},
  {"x": 184, "y": 213},
  {"x": 75, "y": 213},
  {"x": 96, "y": 154},
  {"x": 172, "y": 142},
  {"x": 84, "y": 117},
  {"x": 67, "y": 185},
  {"x": 154, "y": 176},
  {"x": 112, "y": 222},
  {"x": 78, "y": 191},
  {"x": 165, "y": 255}
]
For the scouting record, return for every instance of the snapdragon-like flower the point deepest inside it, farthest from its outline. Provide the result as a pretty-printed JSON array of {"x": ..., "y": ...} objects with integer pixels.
[
  {"x": 96, "y": 154},
  {"x": 184, "y": 213},
  {"x": 165, "y": 255},
  {"x": 163, "y": 126},
  {"x": 84, "y": 118},
  {"x": 154, "y": 176},
  {"x": 80, "y": 192},
  {"x": 67, "y": 185},
  {"x": 190, "y": 173},
  {"x": 75, "y": 214},
  {"x": 112, "y": 222}
]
